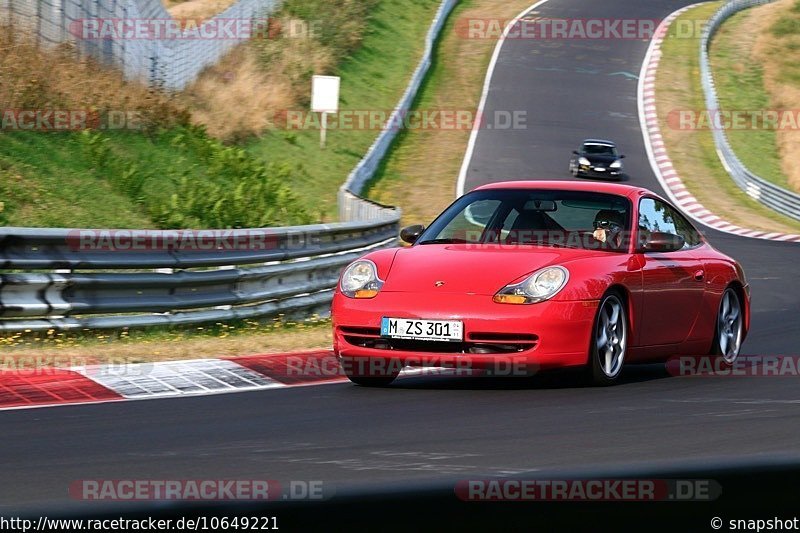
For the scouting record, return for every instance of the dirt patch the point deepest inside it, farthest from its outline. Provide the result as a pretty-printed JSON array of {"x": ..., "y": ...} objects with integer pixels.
[{"x": 197, "y": 9}]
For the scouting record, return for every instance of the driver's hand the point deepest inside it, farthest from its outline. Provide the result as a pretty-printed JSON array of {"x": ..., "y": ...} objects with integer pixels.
[{"x": 599, "y": 234}]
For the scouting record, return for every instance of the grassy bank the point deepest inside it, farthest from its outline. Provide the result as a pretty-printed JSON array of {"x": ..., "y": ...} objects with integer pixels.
[
  {"x": 777, "y": 49},
  {"x": 420, "y": 173},
  {"x": 170, "y": 173},
  {"x": 739, "y": 78},
  {"x": 130, "y": 159},
  {"x": 692, "y": 150},
  {"x": 373, "y": 78}
]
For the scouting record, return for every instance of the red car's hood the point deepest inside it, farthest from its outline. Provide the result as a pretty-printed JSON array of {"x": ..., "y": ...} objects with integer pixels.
[{"x": 470, "y": 268}]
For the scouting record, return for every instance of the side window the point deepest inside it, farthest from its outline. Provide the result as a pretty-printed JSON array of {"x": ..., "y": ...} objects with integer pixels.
[
  {"x": 685, "y": 229},
  {"x": 656, "y": 216}
]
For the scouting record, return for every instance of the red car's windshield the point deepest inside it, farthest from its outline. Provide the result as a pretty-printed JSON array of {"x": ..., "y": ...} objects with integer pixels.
[{"x": 574, "y": 219}]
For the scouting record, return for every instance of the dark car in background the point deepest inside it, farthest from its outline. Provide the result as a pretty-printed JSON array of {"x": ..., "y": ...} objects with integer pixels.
[{"x": 596, "y": 158}]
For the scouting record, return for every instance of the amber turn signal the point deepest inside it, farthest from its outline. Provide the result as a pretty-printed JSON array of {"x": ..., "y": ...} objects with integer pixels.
[
  {"x": 366, "y": 293},
  {"x": 509, "y": 299}
]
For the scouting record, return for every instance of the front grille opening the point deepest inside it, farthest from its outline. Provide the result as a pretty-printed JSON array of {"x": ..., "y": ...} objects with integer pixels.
[
  {"x": 438, "y": 347},
  {"x": 502, "y": 337},
  {"x": 361, "y": 331}
]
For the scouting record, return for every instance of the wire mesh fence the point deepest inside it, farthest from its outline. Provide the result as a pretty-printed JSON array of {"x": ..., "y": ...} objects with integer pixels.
[{"x": 138, "y": 36}]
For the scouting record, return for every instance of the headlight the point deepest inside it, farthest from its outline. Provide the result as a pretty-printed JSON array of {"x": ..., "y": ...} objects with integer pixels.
[
  {"x": 583, "y": 161},
  {"x": 616, "y": 164},
  {"x": 360, "y": 280},
  {"x": 538, "y": 287}
]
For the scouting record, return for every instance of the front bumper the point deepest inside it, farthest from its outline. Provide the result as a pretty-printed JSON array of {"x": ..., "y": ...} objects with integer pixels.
[
  {"x": 497, "y": 337},
  {"x": 593, "y": 172}
]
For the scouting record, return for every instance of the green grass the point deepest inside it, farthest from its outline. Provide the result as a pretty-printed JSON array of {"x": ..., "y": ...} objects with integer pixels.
[
  {"x": 373, "y": 78},
  {"x": 786, "y": 32},
  {"x": 180, "y": 178},
  {"x": 237, "y": 337},
  {"x": 739, "y": 79},
  {"x": 693, "y": 152},
  {"x": 46, "y": 182},
  {"x": 177, "y": 178}
]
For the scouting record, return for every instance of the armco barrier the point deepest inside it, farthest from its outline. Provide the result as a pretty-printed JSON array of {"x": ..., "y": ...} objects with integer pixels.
[
  {"x": 54, "y": 283},
  {"x": 773, "y": 196}
]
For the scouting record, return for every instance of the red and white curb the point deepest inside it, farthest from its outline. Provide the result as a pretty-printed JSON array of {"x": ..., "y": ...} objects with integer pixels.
[
  {"x": 136, "y": 381},
  {"x": 48, "y": 387},
  {"x": 657, "y": 153}
]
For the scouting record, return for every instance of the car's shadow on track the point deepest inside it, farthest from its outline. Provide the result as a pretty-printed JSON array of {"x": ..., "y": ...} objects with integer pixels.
[{"x": 566, "y": 379}]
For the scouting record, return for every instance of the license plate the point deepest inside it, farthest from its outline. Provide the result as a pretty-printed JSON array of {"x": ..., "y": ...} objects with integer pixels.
[
  {"x": 422, "y": 330},
  {"x": 599, "y": 169}
]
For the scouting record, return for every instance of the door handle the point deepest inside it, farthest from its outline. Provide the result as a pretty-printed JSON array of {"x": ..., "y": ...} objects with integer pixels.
[{"x": 699, "y": 275}]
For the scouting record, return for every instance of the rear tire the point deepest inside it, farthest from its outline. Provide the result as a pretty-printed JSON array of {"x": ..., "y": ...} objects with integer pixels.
[
  {"x": 729, "y": 331},
  {"x": 609, "y": 341}
]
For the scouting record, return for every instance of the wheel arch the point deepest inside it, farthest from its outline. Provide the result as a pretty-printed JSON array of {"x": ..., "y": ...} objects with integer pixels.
[
  {"x": 737, "y": 286},
  {"x": 625, "y": 294}
]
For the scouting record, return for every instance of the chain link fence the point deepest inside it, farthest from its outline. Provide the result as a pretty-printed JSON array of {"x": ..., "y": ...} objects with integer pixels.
[
  {"x": 92, "y": 26},
  {"x": 773, "y": 196}
]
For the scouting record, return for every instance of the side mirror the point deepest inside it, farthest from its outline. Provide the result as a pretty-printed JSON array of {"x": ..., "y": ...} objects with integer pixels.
[
  {"x": 575, "y": 152},
  {"x": 659, "y": 241},
  {"x": 410, "y": 234},
  {"x": 622, "y": 156}
]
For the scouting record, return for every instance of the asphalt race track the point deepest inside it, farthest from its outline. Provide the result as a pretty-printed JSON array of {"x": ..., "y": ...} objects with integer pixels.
[{"x": 438, "y": 427}]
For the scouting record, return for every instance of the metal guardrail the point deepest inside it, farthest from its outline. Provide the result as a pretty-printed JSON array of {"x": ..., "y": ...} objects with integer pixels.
[
  {"x": 773, "y": 196},
  {"x": 366, "y": 168},
  {"x": 293, "y": 271},
  {"x": 168, "y": 63}
]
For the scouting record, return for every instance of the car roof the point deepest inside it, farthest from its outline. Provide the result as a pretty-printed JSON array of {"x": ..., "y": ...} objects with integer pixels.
[
  {"x": 587, "y": 186},
  {"x": 599, "y": 141}
]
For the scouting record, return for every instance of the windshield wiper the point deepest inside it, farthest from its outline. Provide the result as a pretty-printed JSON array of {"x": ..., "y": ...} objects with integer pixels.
[{"x": 444, "y": 241}]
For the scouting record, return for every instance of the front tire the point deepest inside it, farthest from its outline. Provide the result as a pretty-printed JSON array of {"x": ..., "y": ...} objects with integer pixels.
[
  {"x": 609, "y": 341},
  {"x": 573, "y": 169},
  {"x": 729, "y": 332},
  {"x": 372, "y": 381},
  {"x": 360, "y": 372}
]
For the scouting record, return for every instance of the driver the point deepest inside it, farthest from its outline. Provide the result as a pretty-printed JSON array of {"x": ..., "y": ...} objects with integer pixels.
[{"x": 608, "y": 226}]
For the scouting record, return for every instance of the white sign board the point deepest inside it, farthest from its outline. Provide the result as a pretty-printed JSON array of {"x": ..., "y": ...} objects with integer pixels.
[{"x": 325, "y": 94}]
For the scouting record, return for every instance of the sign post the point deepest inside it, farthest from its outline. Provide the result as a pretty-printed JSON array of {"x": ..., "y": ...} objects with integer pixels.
[{"x": 324, "y": 99}]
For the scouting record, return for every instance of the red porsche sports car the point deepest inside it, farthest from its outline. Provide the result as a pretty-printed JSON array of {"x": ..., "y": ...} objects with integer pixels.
[{"x": 518, "y": 277}]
